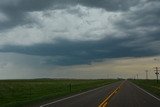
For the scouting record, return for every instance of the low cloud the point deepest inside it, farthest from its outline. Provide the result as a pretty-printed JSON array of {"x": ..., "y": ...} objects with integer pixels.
[{"x": 82, "y": 52}]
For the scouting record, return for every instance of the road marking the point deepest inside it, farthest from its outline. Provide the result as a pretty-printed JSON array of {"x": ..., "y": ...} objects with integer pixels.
[
  {"x": 105, "y": 101},
  {"x": 44, "y": 105},
  {"x": 145, "y": 91}
]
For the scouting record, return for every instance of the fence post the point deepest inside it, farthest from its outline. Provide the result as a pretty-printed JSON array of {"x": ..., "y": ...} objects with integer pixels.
[
  {"x": 70, "y": 87},
  {"x": 30, "y": 92}
]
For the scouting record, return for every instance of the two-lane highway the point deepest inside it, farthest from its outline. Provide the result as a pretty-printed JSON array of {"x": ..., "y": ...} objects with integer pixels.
[
  {"x": 88, "y": 99},
  {"x": 119, "y": 94}
]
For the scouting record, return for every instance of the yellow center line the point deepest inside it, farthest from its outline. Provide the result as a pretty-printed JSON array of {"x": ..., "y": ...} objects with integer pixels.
[{"x": 106, "y": 100}]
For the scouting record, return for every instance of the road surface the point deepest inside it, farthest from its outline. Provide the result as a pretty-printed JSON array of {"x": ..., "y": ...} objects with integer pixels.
[{"x": 119, "y": 94}]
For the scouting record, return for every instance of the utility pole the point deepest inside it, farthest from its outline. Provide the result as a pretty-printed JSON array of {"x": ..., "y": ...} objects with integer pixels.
[
  {"x": 70, "y": 87},
  {"x": 137, "y": 76},
  {"x": 107, "y": 76},
  {"x": 156, "y": 72},
  {"x": 146, "y": 74}
]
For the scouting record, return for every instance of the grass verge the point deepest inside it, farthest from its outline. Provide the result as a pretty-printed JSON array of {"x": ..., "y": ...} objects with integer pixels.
[{"x": 149, "y": 85}]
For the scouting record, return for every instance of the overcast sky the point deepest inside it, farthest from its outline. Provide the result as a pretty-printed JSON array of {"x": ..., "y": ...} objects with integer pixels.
[{"x": 78, "y": 38}]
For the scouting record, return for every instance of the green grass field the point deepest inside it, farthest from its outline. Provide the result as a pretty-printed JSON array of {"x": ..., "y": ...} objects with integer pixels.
[
  {"x": 149, "y": 85},
  {"x": 15, "y": 93}
]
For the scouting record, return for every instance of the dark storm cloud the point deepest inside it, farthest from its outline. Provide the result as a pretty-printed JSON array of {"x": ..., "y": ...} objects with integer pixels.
[
  {"x": 142, "y": 27},
  {"x": 110, "y": 5},
  {"x": 143, "y": 23},
  {"x": 72, "y": 53},
  {"x": 16, "y": 11},
  {"x": 147, "y": 16}
]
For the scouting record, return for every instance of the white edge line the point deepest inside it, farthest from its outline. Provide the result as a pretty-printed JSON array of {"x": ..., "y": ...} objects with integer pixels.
[
  {"x": 145, "y": 91},
  {"x": 72, "y": 96}
]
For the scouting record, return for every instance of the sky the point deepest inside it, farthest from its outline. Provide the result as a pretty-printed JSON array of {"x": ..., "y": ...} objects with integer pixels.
[{"x": 87, "y": 39}]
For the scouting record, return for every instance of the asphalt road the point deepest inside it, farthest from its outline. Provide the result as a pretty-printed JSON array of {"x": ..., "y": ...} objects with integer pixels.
[
  {"x": 131, "y": 96},
  {"x": 119, "y": 94}
]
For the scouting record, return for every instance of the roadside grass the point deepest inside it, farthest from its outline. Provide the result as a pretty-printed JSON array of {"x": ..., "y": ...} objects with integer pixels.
[
  {"x": 149, "y": 85},
  {"x": 17, "y": 93}
]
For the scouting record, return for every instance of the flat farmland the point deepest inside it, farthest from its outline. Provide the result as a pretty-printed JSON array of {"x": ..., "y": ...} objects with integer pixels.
[{"x": 15, "y": 93}]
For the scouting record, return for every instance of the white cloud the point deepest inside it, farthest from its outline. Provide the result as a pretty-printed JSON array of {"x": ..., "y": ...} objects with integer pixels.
[{"x": 93, "y": 24}]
